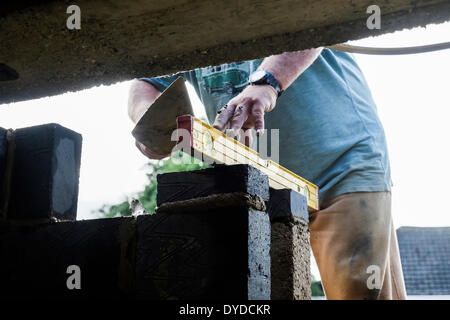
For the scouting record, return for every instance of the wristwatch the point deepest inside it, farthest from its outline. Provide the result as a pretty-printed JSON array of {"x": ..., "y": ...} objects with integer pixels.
[{"x": 265, "y": 77}]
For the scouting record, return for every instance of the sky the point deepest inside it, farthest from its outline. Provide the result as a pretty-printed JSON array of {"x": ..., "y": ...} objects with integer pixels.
[{"x": 412, "y": 95}]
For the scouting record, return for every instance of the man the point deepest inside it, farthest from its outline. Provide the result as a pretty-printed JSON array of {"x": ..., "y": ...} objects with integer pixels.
[{"x": 329, "y": 134}]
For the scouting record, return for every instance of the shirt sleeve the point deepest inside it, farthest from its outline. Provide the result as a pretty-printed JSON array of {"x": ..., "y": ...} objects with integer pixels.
[{"x": 161, "y": 83}]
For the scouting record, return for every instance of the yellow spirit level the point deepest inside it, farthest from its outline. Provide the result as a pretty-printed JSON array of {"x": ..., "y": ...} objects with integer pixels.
[{"x": 213, "y": 146}]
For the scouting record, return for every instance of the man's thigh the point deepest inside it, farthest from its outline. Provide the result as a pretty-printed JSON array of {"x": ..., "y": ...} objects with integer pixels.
[{"x": 350, "y": 241}]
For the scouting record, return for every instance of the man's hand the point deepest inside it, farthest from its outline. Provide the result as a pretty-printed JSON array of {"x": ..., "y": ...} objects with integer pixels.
[
  {"x": 246, "y": 111},
  {"x": 141, "y": 97}
]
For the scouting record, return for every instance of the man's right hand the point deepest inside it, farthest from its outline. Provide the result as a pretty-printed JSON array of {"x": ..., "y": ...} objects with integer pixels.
[{"x": 141, "y": 97}]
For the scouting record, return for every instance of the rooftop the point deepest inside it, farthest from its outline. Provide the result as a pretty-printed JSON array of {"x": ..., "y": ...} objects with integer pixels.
[{"x": 425, "y": 254}]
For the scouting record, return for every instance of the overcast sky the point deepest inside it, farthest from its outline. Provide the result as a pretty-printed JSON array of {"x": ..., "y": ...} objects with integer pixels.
[{"x": 411, "y": 92}]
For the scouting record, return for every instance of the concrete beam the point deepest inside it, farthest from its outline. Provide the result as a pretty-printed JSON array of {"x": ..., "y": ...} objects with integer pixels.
[
  {"x": 3, "y": 154},
  {"x": 120, "y": 40}
]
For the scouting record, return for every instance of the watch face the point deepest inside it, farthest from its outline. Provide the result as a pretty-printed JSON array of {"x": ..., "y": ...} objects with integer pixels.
[{"x": 257, "y": 76}]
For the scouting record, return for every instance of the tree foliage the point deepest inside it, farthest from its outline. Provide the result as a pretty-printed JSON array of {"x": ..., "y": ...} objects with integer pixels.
[{"x": 316, "y": 287}]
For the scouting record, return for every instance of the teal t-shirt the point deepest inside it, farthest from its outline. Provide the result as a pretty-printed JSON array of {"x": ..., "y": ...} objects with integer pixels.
[{"x": 329, "y": 130}]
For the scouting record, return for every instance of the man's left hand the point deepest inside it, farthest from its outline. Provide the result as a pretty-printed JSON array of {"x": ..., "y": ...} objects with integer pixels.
[{"x": 246, "y": 111}]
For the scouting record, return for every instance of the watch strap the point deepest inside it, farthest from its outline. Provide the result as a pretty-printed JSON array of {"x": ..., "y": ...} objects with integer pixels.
[{"x": 270, "y": 80}]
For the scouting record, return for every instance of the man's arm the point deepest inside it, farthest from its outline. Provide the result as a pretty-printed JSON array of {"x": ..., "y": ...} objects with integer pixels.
[
  {"x": 289, "y": 66},
  {"x": 258, "y": 99}
]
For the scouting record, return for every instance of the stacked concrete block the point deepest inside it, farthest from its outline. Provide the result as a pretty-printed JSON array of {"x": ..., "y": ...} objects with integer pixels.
[
  {"x": 221, "y": 179},
  {"x": 39, "y": 172},
  {"x": 214, "y": 254},
  {"x": 210, "y": 238},
  {"x": 45, "y": 173},
  {"x": 219, "y": 250},
  {"x": 290, "y": 246}
]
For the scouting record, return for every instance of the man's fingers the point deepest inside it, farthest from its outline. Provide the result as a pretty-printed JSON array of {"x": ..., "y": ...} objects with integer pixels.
[
  {"x": 224, "y": 116},
  {"x": 258, "y": 118},
  {"x": 239, "y": 117}
]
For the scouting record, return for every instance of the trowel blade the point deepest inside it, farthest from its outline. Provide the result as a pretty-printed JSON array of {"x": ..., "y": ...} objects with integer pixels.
[{"x": 156, "y": 126}]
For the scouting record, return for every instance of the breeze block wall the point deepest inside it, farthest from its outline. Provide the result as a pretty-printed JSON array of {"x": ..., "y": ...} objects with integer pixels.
[{"x": 218, "y": 233}]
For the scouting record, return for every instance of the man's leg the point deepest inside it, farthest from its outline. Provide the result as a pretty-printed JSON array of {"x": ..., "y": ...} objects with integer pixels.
[{"x": 356, "y": 249}]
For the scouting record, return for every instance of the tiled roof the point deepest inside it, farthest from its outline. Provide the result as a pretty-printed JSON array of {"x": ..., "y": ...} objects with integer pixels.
[{"x": 425, "y": 254}]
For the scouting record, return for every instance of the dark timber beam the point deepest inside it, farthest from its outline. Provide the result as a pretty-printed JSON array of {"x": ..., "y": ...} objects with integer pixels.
[{"x": 120, "y": 40}]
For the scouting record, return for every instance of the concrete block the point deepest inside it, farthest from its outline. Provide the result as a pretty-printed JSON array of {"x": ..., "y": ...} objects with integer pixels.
[
  {"x": 179, "y": 186},
  {"x": 45, "y": 173},
  {"x": 34, "y": 260},
  {"x": 221, "y": 254},
  {"x": 290, "y": 246},
  {"x": 287, "y": 203}
]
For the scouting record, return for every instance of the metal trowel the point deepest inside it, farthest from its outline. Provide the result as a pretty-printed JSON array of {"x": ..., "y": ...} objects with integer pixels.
[{"x": 155, "y": 128}]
